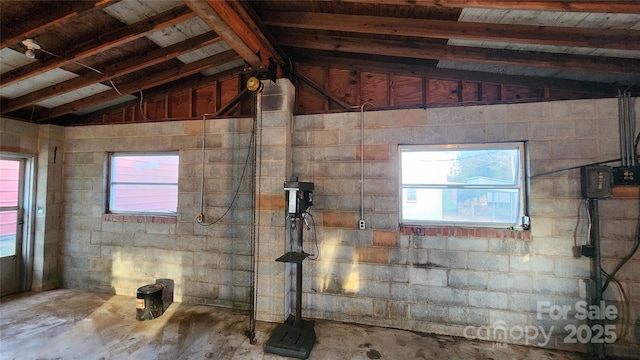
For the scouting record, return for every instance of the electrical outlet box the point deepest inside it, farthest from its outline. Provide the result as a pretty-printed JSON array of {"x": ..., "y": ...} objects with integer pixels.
[
  {"x": 626, "y": 175},
  {"x": 596, "y": 182},
  {"x": 361, "y": 224}
]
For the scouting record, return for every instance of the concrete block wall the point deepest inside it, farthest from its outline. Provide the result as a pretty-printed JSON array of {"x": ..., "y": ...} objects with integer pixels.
[
  {"x": 455, "y": 280},
  {"x": 45, "y": 143},
  {"x": 118, "y": 254}
]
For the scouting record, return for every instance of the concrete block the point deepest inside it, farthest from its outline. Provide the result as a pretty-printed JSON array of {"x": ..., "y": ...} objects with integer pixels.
[
  {"x": 509, "y": 318},
  {"x": 428, "y": 276},
  {"x": 468, "y": 316},
  {"x": 528, "y": 112},
  {"x": 572, "y": 267},
  {"x": 447, "y": 296},
  {"x": 509, "y": 246},
  {"x": 466, "y": 279},
  {"x": 555, "y": 285},
  {"x": 535, "y": 264},
  {"x": 402, "y": 292},
  {"x": 431, "y": 313},
  {"x": 448, "y": 259},
  {"x": 488, "y": 262},
  {"x": 467, "y": 244},
  {"x": 430, "y": 242},
  {"x": 509, "y": 282},
  {"x": 552, "y": 246},
  {"x": 488, "y": 300},
  {"x": 354, "y": 306},
  {"x": 562, "y": 129}
]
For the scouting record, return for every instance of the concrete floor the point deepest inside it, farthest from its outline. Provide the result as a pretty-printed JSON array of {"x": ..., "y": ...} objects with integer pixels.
[{"x": 72, "y": 324}]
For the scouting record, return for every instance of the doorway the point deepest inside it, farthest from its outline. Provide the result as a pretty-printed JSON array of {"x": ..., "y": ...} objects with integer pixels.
[{"x": 16, "y": 192}]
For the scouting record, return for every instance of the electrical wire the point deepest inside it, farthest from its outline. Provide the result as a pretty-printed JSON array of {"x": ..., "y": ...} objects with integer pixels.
[
  {"x": 625, "y": 302},
  {"x": 85, "y": 66},
  {"x": 630, "y": 254},
  {"x": 200, "y": 218},
  {"x": 315, "y": 237}
]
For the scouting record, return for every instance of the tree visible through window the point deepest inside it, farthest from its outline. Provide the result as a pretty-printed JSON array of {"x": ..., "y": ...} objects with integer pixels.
[
  {"x": 143, "y": 183},
  {"x": 463, "y": 184}
]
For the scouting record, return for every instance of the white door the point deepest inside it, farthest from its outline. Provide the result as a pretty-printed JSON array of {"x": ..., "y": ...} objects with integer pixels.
[{"x": 12, "y": 172}]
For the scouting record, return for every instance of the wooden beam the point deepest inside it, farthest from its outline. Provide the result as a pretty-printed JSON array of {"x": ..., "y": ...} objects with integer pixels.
[
  {"x": 239, "y": 19},
  {"x": 13, "y": 33},
  {"x": 112, "y": 71},
  {"x": 595, "y": 6},
  {"x": 155, "y": 80},
  {"x": 108, "y": 41},
  {"x": 205, "y": 10},
  {"x": 597, "y": 89},
  {"x": 193, "y": 83},
  {"x": 321, "y": 90},
  {"x": 426, "y": 50},
  {"x": 444, "y": 29}
]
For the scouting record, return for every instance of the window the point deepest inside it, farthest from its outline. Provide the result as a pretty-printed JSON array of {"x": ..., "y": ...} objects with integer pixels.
[
  {"x": 472, "y": 185},
  {"x": 143, "y": 183}
]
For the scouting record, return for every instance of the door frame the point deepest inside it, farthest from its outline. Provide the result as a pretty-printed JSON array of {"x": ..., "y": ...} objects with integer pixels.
[{"x": 25, "y": 250}]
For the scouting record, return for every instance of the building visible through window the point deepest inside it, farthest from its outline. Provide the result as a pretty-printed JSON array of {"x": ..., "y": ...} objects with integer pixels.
[
  {"x": 143, "y": 183},
  {"x": 479, "y": 185}
]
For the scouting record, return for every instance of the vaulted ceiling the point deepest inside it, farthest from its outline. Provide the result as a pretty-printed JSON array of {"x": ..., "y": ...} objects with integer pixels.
[{"x": 92, "y": 55}]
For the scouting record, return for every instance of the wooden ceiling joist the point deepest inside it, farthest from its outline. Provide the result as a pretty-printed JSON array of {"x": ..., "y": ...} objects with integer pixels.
[
  {"x": 57, "y": 15},
  {"x": 442, "y": 29},
  {"x": 424, "y": 50},
  {"x": 112, "y": 71},
  {"x": 150, "y": 82},
  {"x": 595, "y": 6},
  {"x": 205, "y": 10},
  {"x": 103, "y": 43}
]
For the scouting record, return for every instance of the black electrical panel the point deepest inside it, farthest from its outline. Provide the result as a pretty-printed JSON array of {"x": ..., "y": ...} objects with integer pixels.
[
  {"x": 626, "y": 175},
  {"x": 596, "y": 182}
]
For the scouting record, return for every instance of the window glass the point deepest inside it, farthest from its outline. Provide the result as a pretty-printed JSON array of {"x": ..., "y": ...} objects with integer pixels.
[
  {"x": 462, "y": 184},
  {"x": 144, "y": 183}
]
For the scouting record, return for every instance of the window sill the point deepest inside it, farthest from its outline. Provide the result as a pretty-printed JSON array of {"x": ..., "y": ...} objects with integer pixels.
[
  {"x": 466, "y": 232},
  {"x": 140, "y": 218}
]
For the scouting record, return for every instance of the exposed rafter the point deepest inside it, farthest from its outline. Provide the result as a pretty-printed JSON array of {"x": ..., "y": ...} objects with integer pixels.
[
  {"x": 442, "y": 29},
  {"x": 150, "y": 82},
  {"x": 221, "y": 24},
  {"x": 425, "y": 50},
  {"x": 108, "y": 41},
  {"x": 596, "y": 6},
  {"x": 111, "y": 71},
  {"x": 57, "y": 15}
]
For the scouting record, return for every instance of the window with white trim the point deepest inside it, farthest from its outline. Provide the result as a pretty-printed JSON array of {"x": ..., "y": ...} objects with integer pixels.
[
  {"x": 143, "y": 183},
  {"x": 463, "y": 185}
]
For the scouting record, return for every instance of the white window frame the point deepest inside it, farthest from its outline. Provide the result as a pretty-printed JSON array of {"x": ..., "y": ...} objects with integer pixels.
[
  {"x": 111, "y": 183},
  {"x": 521, "y": 220}
]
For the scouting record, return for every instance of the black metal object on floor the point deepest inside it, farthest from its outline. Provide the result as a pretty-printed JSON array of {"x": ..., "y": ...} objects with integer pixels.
[
  {"x": 295, "y": 337},
  {"x": 292, "y": 340}
]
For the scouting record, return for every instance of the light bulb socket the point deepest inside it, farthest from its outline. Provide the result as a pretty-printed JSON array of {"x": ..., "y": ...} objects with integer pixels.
[{"x": 30, "y": 54}]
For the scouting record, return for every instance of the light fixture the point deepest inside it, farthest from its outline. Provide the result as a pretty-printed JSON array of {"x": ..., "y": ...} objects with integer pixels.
[{"x": 31, "y": 46}]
